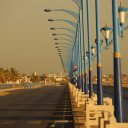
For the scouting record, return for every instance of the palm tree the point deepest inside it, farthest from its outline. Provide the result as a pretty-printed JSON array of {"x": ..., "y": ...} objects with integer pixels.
[{"x": 14, "y": 74}]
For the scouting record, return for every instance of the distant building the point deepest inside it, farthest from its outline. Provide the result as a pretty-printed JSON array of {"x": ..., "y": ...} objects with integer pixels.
[{"x": 35, "y": 73}]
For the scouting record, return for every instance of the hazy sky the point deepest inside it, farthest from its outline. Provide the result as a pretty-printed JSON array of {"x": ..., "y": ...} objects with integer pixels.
[{"x": 26, "y": 42}]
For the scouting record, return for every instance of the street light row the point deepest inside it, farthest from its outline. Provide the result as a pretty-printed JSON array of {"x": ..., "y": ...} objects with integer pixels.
[{"x": 75, "y": 49}]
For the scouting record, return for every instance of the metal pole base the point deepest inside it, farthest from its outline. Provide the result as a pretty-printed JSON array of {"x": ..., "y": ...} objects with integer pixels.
[
  {"x": 99, "y": 86},
  {"x": 118, "y": 90},
  {"x": 90, "y": 84},
  {"x": 85, "y": 84}
]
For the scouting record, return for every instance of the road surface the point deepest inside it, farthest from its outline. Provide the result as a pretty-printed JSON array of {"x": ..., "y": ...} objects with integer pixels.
[{"x": 45, "y": 107}]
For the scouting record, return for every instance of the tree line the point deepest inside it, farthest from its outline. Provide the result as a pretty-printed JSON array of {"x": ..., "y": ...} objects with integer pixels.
[{"x": 11, "y": 74}]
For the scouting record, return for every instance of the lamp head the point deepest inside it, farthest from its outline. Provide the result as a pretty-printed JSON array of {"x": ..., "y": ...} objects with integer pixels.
[
  {"x": 52, "y": 28},
  {"x": 86, "y": 58},
  {"x": 50, "y": 20},
  {"x": 87, "y": 53},
  {"x": 47, "y": 10},
  {"x": 122, "y": 13},
  {"x": 56, "y": 43},
  {"x": 59, "y": 54},
  {"x": 106, "y": 32},
  {"x": 55, "y": 39},
  {"x": 54, "y": 34},
  {"x": 93, "y": 49}
]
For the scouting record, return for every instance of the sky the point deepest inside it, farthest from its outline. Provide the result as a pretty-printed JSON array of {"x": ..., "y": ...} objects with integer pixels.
[{"x": 26, "y": 42}]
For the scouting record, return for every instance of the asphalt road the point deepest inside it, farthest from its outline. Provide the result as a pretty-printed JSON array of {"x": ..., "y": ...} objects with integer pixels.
[{"x": 45, "y": 107}]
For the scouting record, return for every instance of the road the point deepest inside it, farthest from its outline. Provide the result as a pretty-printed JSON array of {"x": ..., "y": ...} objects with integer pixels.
[{"x": 45, "y": 107}]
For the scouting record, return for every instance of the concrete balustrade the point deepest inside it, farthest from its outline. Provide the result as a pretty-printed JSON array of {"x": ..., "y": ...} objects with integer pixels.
[
  {"x": 112, "y": 123},
  {"x": 96, "y": 116},
  {"x": 97, "y": 112}
]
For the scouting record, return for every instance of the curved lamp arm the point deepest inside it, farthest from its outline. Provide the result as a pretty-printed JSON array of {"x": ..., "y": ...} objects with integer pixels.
[
  {"x": 63, "y": 43},
  {"x": 78, "y": 3},
  {"x": 69, "y": 30},
  {"x": 72, "y": 13},
  {"x": 64, "y": 39},
  {"x": 125, "y": 28},
  {"x": 67, "y": 21},
  {"x": 68, "y": 35},
  {"x": 59, "y": 48}
]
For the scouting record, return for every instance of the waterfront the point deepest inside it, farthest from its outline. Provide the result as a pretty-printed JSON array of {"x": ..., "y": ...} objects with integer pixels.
[{"x": 108, "y": 91}]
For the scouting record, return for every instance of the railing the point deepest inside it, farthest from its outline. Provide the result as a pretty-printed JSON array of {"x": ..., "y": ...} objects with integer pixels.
[
  {"x": 97, "y": 116},
  {"x": 32, "y": 85},
  {"x": 5, "y": 87}
]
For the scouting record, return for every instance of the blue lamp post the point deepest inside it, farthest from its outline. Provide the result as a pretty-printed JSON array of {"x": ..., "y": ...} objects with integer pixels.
[
  {"x": 80, "y": 4},
  {"x": 99, "y": 63},
  {"x": 117, "y": 58},
  {"x": 80, "y": 78},
  {"x": 82, "y": 62},
  {"x": 118, "y": 31},
  {"x": 77, "y": 56},
  {"x": 82, "y": 32},
  {"x": 89, "y": 50}
]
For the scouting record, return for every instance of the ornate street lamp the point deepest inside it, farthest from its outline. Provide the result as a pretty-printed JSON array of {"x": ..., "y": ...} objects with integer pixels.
[
  {"x": 107, "y": 31},
  {"x": 93, "y": 50},
  {"x": 122, "y": 14}
]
